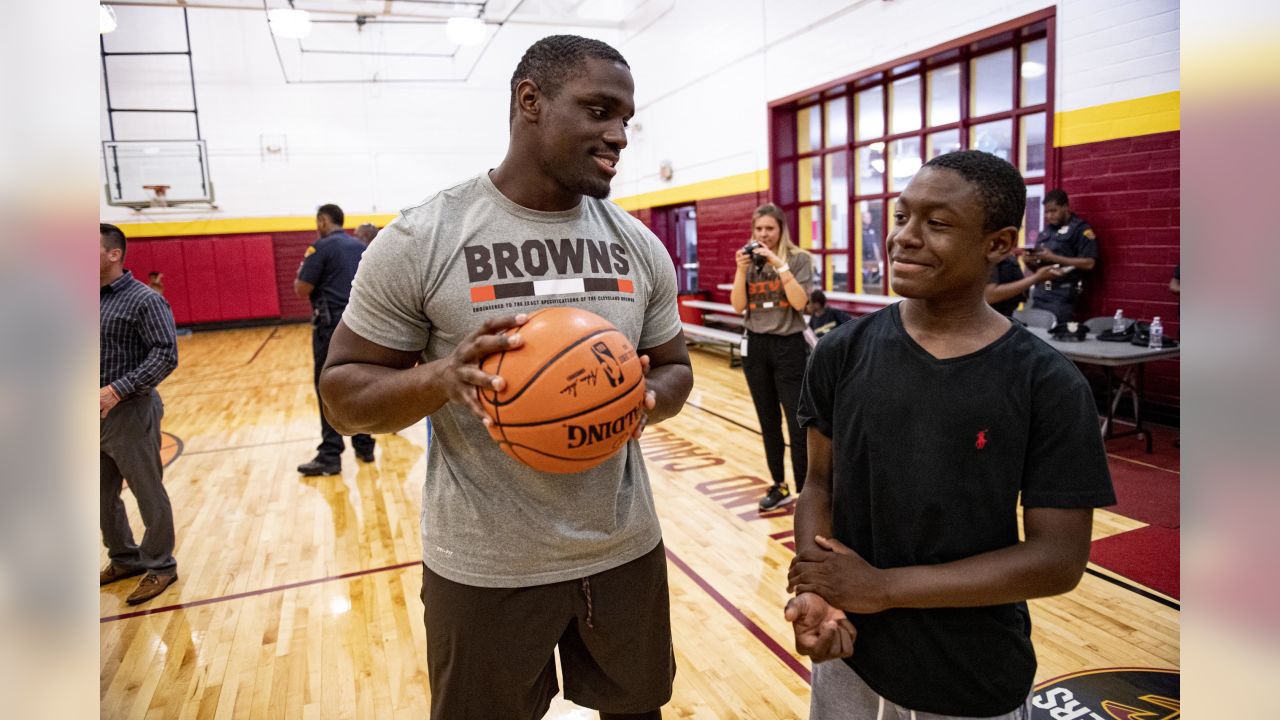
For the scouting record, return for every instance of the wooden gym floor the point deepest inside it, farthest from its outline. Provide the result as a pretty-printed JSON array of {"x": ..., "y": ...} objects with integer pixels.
[{"x": 298, "y": 597}]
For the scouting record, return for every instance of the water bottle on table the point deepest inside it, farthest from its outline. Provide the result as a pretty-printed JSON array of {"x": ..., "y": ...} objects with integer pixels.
[
  {"x": 1157, "y": 334},
  {"x": 1117, "y": 324}
]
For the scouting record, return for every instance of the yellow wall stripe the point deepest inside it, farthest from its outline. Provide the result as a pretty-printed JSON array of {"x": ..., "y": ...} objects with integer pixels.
[
  {"x": 1113, "y": 121},
  {"x": 234, "y": 226},
  {"x": 757, "y": 181}
]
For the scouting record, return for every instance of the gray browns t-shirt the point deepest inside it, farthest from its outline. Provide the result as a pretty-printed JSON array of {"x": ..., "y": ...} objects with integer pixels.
[
  {"x": 435, "y": 274},
  {"x": 768, "y": 311}
]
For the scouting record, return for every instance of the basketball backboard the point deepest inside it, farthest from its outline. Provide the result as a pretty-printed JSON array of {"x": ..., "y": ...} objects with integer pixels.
[{"x": 156, "y": 173}]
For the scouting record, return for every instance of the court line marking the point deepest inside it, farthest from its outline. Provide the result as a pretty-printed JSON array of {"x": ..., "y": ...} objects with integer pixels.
[
  {"x": 1115, "y": 578},
  {"x": 253, "y": 593},
  {"x": 767, "y": 640},
  {"x": 244, "y": 447},
  {"x": 263, "y": 345},
  {"x": 1144, "y": 464},
  {"x": 756, "y": 631},
  {"x": 173, "y": 396}
]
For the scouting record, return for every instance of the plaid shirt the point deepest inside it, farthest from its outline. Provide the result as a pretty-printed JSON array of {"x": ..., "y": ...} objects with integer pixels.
[{"x": 138, "y": 346}]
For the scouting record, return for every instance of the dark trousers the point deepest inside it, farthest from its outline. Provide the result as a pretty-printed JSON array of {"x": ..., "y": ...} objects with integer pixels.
[
  {"x": 129, "y": 449},
  {"x": 331, "y": 445},
  {"x": 774, "y": 366}
]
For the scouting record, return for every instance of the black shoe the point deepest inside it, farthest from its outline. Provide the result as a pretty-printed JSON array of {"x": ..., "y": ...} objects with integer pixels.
[
  {"x": 321, "y": 467},
  {"x": 364, "y": 456},
  {"x": 778, "y": 496}
]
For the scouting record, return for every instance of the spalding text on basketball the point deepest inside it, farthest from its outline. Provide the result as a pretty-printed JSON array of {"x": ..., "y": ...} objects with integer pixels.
[
  {"x": 536, "y": 258},
  {"x": 584, "y": 435}
]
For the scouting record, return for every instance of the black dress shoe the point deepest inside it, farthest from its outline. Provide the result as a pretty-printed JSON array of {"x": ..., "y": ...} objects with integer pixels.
[
  {"x": 320, "y": 467},
  {"x": 365, "y": 456}
]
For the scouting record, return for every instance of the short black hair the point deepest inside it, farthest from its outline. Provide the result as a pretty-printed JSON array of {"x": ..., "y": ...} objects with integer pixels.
[
  {"x": 113, "y": 238},
  {"x": 1003, "y": 193},
  {"x": 554, "y": 59},
  {"x": 818, "y": 296},
  {"x": 333, "y": 212},
  {"x": 1057, "y": 196}
]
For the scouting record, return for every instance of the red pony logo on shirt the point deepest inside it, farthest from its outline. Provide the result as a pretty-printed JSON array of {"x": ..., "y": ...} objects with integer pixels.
[{"x": 982, "y": 439}]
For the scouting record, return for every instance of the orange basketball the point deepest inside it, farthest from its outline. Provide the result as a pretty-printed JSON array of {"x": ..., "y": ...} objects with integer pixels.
[{"x": 574, "y": 391}]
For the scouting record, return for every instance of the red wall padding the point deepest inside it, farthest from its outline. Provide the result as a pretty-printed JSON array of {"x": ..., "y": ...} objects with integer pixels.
[
  {"x": 213, "y": 278},
  {"x": 202, "y": 280},
  {"x": 260, "y": 260},
  {"x": 233, "y": 280}
]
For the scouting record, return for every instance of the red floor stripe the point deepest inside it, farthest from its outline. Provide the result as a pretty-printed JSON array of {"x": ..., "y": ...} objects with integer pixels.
[
  {"x": 251, "y": 593},
  {"x": 1147, "y": 555},
  {"x": 787, "y": 658}
]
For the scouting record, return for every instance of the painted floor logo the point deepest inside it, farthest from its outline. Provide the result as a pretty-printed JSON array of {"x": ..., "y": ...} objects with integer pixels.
[{"x": 1110, "y": 694}]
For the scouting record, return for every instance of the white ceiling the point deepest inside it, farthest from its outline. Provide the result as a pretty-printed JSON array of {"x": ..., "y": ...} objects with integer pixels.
[{"x": 392, "y": 40}]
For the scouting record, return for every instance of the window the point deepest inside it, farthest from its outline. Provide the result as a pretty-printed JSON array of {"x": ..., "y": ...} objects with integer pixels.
[{"x": 843, "y": 153}]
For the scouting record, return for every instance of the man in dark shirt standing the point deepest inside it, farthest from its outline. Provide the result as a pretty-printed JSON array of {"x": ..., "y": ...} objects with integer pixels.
[
  {"x": 137, "y": 349},
  {"x": 1068, "y": 242},
  {"x": 929, "y": 421},
  {"x": 325, "y": 278}
]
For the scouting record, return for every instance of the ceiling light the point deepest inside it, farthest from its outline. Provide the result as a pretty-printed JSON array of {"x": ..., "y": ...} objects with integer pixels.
[
  {"x": 608, "y": 10},
  {"x": 1032, "y": 69},
  {"x": 289, "y": 23},
  {"x": 106, "y": 19},
  {"x": 465, "y": 31}
]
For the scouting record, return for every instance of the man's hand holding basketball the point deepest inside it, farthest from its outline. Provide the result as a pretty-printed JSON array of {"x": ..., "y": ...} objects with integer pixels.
[
  {"x": 461, "y": 376},
  {"x": 650, "y": 402},
  {"x": 840, "y": 576},
  {"x": 822, "y": 631}
]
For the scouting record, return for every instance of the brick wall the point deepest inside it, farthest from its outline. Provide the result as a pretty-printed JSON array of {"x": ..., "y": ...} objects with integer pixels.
[
  {"x": 724, "y": 225},
  {"x": 290, "y": 248},
  {"x": 1128, "y": 190}
]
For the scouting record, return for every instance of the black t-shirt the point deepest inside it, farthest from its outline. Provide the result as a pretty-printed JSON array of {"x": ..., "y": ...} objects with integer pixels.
[
  {"x": 929, "y": 457},
  {"x": 827, "y": 320},
  {"x": 330, "y": 265},
  {"x": 1006, "y": 271}
]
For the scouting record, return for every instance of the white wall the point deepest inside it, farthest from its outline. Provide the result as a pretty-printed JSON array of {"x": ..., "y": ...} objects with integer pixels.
[
  {"x": 703, "y": 85},
  {"x": 364, "y": 146},
  {"x": 705, "y": 72}
]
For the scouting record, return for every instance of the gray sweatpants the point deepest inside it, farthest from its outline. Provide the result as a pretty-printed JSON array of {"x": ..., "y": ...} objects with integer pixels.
[
  {"x": 839, "y": 694},
  {"x": 129, "y": 449}
]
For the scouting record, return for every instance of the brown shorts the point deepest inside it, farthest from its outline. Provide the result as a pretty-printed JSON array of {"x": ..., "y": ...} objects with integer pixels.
[{"x": 490, "y": 650}]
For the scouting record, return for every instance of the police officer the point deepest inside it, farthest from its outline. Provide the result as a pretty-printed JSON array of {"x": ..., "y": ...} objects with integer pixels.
[
  {"x": 1068, "y": 242},
  {"x": 325, "y": 278}
]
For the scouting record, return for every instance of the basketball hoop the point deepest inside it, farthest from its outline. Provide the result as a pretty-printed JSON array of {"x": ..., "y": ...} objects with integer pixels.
[{"x": 157, "y": 195}]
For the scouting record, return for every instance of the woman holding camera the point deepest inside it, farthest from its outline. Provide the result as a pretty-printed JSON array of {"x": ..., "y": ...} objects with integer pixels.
[{"x": 772, "y": 286}]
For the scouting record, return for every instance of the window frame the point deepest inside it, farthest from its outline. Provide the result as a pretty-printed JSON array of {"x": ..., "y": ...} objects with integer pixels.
[{"x": 784, "y": 126}]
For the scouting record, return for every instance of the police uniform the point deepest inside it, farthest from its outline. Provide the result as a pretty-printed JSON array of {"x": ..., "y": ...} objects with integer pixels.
[
  {"x": 330, "y": 265},
  {"x": 1075, "y": 239}
]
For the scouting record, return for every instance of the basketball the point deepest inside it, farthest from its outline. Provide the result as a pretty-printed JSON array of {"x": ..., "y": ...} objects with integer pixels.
[{"x": 574, "y": 391}]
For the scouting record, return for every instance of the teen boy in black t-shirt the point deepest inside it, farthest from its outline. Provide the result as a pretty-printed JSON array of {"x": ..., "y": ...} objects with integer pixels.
[{"x": 926, "y": 421}]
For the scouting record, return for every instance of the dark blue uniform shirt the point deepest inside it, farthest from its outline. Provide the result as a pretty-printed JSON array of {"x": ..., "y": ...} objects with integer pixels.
[{"x": 330, "y": 265}]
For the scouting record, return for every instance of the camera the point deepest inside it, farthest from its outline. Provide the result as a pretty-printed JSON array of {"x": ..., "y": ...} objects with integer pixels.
[{"x": 757, "y": 261}]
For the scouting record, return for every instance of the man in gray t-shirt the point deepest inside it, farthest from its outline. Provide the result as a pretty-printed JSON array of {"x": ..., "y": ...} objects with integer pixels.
[{"x": 516, "y": 561}]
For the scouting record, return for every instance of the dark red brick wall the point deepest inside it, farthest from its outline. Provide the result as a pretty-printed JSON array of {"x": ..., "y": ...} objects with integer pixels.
[
  {"x": 724, "y": 225},
  {"x": 290, "y": 248},
  {"x": 1128, "y": 190}
]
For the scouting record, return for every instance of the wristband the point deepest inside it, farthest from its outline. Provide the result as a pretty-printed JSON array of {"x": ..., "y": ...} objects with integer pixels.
[{"x": 783, "y": 269}]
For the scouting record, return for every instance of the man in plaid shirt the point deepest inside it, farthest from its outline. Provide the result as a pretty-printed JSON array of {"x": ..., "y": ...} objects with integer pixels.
[{"x": 137, "y": 349}]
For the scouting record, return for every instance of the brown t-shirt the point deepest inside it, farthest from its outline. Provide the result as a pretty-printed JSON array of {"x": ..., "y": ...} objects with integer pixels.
[{"x": 768, "y": 311}]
